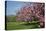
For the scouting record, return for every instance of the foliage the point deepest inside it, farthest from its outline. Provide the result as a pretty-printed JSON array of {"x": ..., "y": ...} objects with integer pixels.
[
  {"x": 32, "y": 12},
  {"x": 11, "y": 18}
]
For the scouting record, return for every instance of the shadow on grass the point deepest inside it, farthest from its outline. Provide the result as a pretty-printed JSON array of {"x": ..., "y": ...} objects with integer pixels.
[{"x": 32, "y": 25}]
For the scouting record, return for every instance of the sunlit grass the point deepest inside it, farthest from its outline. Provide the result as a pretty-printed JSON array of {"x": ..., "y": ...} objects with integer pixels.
[{"x": 21, "y": 25}]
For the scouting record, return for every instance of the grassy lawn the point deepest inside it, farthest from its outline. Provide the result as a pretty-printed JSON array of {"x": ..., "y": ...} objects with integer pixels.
[{"x": 21, "y": 25}]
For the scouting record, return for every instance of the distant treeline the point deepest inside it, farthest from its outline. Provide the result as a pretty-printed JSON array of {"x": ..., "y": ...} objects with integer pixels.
[{"x": 10, "y": 18}]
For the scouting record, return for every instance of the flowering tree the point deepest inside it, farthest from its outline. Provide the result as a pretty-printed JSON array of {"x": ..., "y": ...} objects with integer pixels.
[{"x": 32, "y": 11}]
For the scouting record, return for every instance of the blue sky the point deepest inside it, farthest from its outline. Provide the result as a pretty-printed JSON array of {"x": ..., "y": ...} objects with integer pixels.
[{"x": 13, "y": 7}]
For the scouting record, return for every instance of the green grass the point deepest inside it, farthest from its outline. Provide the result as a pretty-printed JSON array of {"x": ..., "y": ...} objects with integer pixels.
[{"x": 21, "y": 25}]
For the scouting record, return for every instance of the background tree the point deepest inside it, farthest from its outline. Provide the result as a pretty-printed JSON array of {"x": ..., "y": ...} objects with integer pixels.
[{"x": 32, "y": 12}]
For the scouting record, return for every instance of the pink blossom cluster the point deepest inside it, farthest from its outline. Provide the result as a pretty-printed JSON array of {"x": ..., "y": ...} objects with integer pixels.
[{"x": 32, "y": 11}]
